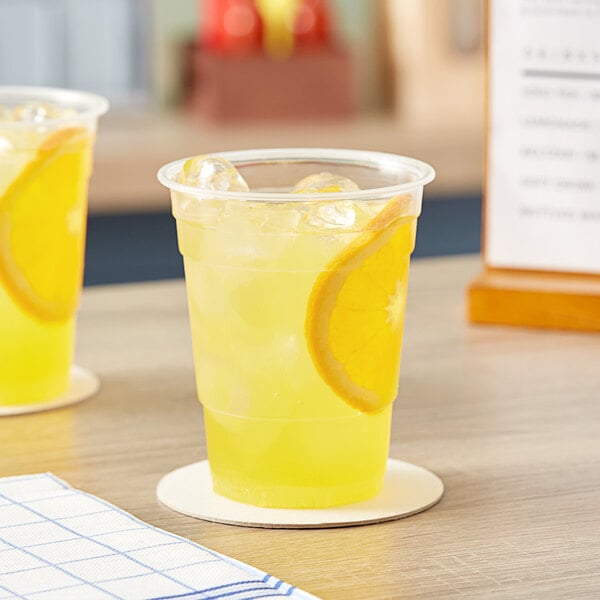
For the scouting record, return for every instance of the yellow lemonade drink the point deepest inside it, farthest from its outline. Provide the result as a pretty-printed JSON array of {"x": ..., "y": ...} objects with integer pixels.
[
  {"x": 46, "y": 141},
  {"x": 297, "y": 309}
]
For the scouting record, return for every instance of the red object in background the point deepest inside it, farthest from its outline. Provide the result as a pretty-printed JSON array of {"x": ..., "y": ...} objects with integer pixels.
[
  {"x": 208, "y": 11},
  {"x": 230, "y": 26},
  {"x": 312, "y": 25}
]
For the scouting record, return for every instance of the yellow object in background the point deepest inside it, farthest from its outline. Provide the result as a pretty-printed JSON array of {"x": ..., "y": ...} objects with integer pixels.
[{"x": 278, "y": 34}]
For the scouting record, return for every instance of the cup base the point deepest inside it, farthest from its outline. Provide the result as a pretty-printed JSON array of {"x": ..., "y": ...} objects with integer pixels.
[
  {"x": 83, "y": 384},
  {"x": 407, "y": 490}
]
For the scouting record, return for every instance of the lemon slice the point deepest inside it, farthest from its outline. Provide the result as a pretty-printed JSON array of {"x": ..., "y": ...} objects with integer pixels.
[
  {"x": 355, "y": 312},
  {"x": 42, "y": 227}
]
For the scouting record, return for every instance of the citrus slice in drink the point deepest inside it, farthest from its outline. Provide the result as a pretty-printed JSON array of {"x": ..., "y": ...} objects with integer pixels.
[
  {"x": 355, "y": 311},
  {"x": 42, "y": 226}
]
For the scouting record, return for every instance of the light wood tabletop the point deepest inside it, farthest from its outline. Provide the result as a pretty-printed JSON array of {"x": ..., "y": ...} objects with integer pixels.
[{"x": 509, "y": 418}]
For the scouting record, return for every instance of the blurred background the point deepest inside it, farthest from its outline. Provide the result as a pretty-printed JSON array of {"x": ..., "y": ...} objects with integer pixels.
[{"x": 189, "y": 77}]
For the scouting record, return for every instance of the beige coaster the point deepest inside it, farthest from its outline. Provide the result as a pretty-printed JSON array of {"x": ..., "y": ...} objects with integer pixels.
[
  {"x": 407, "y": 490},
  {"x": 83, "y": 385}
]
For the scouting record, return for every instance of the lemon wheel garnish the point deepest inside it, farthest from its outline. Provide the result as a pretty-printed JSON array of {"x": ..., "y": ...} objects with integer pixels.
[
  {"x": 355, "y": 312},
  {"x": 42, "y": 227}
]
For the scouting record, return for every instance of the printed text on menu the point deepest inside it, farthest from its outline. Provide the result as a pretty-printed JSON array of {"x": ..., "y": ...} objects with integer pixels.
[{"x": 543, "y": 172}]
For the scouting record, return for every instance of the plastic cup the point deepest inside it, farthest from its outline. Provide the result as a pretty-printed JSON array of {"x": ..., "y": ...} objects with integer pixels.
[
  {"x": 45, "y": 163},
  {"x": 260, "y": 267}
]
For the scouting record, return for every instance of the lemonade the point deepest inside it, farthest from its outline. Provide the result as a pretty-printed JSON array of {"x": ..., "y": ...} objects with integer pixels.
[
  {"x": 297, "y": 309},
  {"x": 35, "y": 357},
  {"x": 45, "y": 163}
]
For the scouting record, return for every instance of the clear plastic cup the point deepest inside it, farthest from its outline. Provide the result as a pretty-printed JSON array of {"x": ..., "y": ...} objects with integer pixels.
[
  {"x": 45, "y": 163},
  {"x": 280, "y": 286}
]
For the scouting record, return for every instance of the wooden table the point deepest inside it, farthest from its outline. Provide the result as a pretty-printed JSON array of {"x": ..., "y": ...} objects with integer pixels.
[{"x": 509, "y": 418}]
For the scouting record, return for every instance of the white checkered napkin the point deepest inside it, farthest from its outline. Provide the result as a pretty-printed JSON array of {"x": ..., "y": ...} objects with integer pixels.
[{"x": 58, "y": 543}]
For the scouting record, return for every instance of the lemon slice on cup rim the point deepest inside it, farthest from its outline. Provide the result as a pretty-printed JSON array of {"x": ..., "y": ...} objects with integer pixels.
[
  {"x": 355, "y": 311},
  {"x": 42, "y": 226}
]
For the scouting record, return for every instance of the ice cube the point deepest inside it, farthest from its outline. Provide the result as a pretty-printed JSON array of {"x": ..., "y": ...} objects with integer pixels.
[
  {"x": 212, "y": 173},
  {"x": 204, "y": 211},
  {"x": 332, "y": 215},
  {"x": 324, "y": 183},
  {"x": 282, "y": 218},
  {"x": 38, "y": 112}
]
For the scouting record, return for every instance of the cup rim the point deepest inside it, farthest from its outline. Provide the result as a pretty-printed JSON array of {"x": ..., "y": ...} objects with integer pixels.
[
  {"x": 94, "y": 104},
  {"x": 423, "y": 172}
]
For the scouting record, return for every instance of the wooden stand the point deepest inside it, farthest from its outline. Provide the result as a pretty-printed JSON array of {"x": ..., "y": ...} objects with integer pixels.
[
  {"x": 535, "y": 299},
  {"x": 306, "y": 85}
]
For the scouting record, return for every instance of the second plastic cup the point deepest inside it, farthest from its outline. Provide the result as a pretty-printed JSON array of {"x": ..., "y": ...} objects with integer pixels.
[
  {"x": 46, "y": 141},
  {"x": 297, "y": 311}
]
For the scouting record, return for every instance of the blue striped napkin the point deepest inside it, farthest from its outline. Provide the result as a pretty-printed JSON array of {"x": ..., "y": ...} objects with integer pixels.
[{"x": 57, "y": 542}]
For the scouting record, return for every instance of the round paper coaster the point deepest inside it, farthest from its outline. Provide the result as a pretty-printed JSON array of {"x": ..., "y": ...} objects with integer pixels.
[
  {"x": 407, "y": 489},
  {"x": 83, "y": 385}
]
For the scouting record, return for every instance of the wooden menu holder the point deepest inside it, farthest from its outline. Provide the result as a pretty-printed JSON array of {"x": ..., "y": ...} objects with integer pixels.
[
  {"x": 535, "y": 299},
  {"x": 528, "y": 297}
]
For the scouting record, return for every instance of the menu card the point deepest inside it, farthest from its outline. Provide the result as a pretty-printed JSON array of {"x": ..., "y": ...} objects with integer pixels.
[{"x": 543, "y": 156}]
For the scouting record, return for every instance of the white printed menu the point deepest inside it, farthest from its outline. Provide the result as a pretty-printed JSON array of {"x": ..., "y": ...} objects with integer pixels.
[{"x": 543, "y": 159}]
